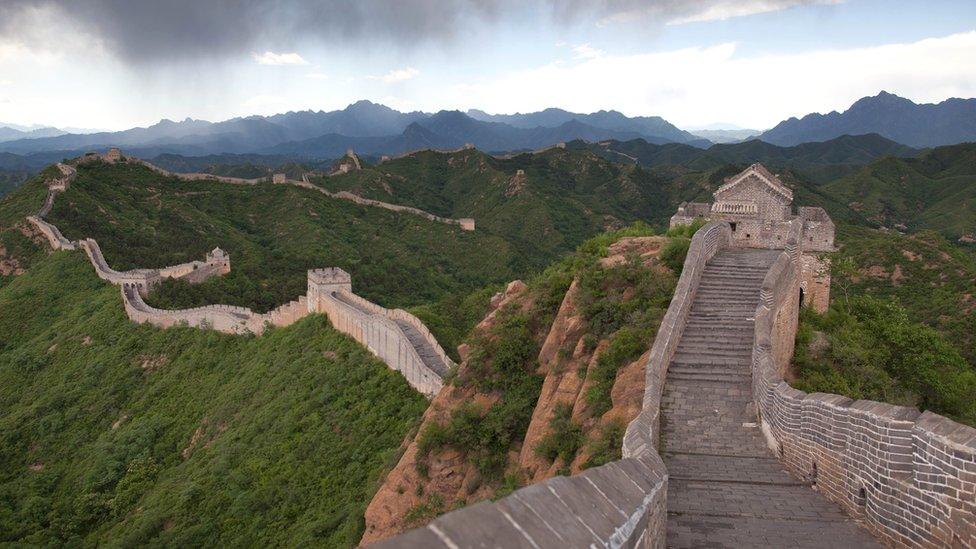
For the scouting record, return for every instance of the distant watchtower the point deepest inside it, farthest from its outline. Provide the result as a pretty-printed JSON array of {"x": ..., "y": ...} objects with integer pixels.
[
  {"x": 323, "y": 282},
  {"x": 220, "y": 260}
]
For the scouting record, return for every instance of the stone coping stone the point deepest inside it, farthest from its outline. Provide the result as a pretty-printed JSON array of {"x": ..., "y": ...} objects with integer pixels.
[
  {"x": 885, "y": 410},
  {"x": 837, "y": 401},
  {"x": 558, "y": 516},
  {"x": 957, "y": 433},
  {"x": 482, "y": 525},
  {"x": 420, "y": 538},
  {"x": 589, "y": 504}
]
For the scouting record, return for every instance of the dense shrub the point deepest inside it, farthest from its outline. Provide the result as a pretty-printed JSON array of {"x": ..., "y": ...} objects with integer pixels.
[
  {"x": 113, "y": 433},
  {"x": 870, "y": 348},
  {"x": 565, "y": 437}
]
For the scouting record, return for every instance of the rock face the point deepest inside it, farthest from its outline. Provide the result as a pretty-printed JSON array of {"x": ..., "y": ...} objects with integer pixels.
[
  {"x": 449, "y": 478},
  {"x": 565, "y": 360}
]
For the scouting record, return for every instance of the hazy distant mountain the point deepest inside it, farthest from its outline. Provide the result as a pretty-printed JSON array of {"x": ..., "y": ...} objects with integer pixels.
[
  {"x": 726, "y": 136},
  {"x": 651, "y": 128},
  {"x": 450, "y": 130},
  {"x": 10, "y": 132},
  {"x": 366, "y": 126},
  {"x": 927, "y": 125}
]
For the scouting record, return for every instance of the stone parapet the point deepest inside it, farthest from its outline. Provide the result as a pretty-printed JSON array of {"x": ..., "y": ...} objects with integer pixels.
[
  {"x": 910, "y": 477},
  {"x": 380, "y": 330},
  {"x": 51, "y": 233}
]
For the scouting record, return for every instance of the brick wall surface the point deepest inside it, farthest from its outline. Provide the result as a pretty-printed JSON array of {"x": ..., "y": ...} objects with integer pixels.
[{"x": 910, "y": 476}]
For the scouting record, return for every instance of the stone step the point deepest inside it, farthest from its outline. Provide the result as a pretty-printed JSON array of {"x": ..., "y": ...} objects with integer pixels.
[
  {"x": 693, "y": 360},
  {"x": 710, "y": 339},
  {"x": 725, "y": 350},
  {"x": 701, "y": 326},
  {"x": 729, "y": 288},
  {"x": 721, "y": 378}
]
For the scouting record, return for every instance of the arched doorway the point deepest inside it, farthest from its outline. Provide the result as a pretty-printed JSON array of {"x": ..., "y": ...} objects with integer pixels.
[{"x": 801, "y": 298}]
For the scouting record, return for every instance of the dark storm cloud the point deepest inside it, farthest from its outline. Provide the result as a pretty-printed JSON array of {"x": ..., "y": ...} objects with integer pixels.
[{"x": 154, "y": 30}]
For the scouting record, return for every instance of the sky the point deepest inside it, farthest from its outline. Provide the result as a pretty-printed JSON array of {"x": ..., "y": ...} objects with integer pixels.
[{"x": 116, "y": 64}]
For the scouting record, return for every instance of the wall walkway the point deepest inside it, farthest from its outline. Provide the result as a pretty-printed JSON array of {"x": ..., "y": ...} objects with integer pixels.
[
  {"x": 396, "y": 336},
  {"x": 732, "y": 431}
]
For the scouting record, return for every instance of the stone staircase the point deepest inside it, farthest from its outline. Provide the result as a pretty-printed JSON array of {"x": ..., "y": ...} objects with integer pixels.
[{"x": 726, "y": 488}]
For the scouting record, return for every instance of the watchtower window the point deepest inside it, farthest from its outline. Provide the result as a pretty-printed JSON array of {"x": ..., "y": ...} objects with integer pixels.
[{"x": 733, "y": 226}]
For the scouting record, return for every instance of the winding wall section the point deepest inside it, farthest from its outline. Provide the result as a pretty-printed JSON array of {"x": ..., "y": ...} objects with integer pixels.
[{"x": 395, "y": 336}]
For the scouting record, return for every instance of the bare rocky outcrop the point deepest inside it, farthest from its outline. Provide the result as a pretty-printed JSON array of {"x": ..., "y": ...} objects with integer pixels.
[{"x": 448, "y": 478}]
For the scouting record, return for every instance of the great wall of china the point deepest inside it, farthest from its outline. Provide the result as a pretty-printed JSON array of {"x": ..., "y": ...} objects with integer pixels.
[
  {"x": 466, "y": 223},
  {"x": 394, "y": 335},
  {"x": 724, "y": 452}
]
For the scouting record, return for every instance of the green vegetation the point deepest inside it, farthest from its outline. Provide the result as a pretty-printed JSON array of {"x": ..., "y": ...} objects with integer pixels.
[
  {"x": 113, "y": 433},
  {"x": 608, "y": 446},
  {"x": 15, "y": 247},
  {"x": 504, "y": 363},
  {"x": 926, "y": 274},
  {"x": 564, "y": 197},
  {"x": 869, "y": 348},
  {"x": 934, "y": 191},
  {"x": 274, "y": 234},
  {"x": 565, "y": 436},
  {"x": 422, "y": 513},
  {"x": 623, "y": 302}
]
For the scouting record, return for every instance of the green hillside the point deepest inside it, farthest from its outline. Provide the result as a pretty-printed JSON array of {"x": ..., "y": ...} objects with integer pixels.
[
  {"x": 274, "y": 234},
  {"x": 563, "y": 198},
  {"x": 121, "y": 434},
  {"x": 935, "y": 191}
]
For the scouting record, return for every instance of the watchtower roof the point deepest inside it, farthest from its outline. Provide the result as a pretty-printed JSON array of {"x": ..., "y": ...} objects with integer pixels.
[{"x": 764, "y": 175}]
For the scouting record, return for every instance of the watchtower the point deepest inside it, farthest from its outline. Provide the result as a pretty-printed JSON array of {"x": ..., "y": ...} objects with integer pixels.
[
  {"x": 324, "y": 282},
  {"x": 220, "y": 260},
  {"x": 759, "y": 208}
]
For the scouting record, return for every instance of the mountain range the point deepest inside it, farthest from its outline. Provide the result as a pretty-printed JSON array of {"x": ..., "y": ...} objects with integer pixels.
[
  {"x": 917, "y": 125},
  {"x": 367, "y": 127},
  {"x": 376, "y": 130}
]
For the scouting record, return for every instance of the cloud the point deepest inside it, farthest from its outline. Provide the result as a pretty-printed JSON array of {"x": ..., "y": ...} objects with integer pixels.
[
  {"x": 703, "y": 84},
  {"x": 728, "y": 9},
  {"x": 150, "y": 32},
  {"x": 399, "y": 75},
  {"x": 585, "y": 51},
  {"x": 272, "y": 58},
  {"x": 317, "y": 75}
]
